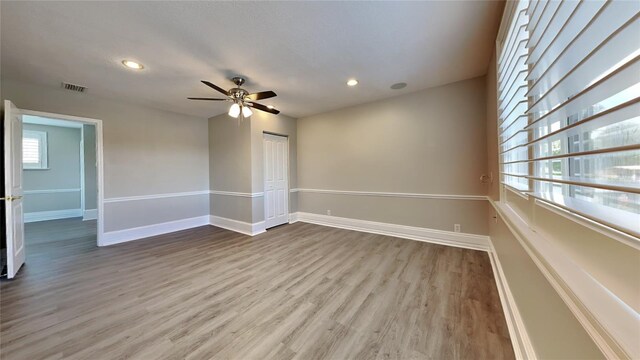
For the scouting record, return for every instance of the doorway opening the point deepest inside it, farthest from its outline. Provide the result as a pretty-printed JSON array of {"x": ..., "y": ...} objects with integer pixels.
[
  {"x": 59, "y": 185},
  {"x": 53, "y": 186}
]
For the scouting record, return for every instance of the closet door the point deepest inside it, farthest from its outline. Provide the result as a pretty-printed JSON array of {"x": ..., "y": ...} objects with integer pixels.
[{"x": 276, "y": 180}]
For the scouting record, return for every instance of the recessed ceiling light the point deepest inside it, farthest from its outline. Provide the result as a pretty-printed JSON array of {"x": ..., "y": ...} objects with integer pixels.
[
  {"x": 352, "y": 82},
  {"x": 271, "y": 107},
  {"x": 398, "y": 86},
  {"x": 132, "y": 65}
]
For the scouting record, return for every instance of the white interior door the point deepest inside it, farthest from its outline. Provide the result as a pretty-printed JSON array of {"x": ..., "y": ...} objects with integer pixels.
[
  {"x": 13, "y": 188},
  {"x": 276, "y": 180}
]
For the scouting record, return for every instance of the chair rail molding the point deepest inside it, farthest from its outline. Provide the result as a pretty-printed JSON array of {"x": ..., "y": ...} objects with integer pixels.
[
  {"x": 50, "y": 191},
  {"x": 238, "y": 194},
  {"x": 155, "y": 196},
  {"x": 392, "y": 194}
]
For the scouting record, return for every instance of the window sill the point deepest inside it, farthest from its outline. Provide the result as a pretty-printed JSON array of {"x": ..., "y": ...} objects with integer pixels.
[
  {"x": 624, "y": 221},
  {"x": 591, "y": 224},
  {"x": 610, "y": 322},
  {"x": 514, "y": 191}
]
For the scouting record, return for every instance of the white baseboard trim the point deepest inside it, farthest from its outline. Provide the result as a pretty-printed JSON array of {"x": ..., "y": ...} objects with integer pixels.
[
  {"x": 120, "y": 236},
  {"x": 51, "y": 215},
  {"x": 462, "y": 240},
  {"x": 520, "y": 340},
  {"x": 293, "y": 218},
  {"x": 90, "y": 214},
  {"x": 238, "y": 226}
]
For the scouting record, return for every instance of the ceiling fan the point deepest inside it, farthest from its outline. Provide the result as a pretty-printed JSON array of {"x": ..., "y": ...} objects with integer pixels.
[{"x": 242, "y": 100}]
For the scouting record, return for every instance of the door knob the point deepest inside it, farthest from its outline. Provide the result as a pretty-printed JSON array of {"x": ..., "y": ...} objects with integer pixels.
[{"x": 10, "y": 198}]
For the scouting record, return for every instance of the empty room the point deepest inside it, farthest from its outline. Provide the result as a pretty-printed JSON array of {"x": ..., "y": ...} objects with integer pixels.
[{"x": 320, "y": 180}]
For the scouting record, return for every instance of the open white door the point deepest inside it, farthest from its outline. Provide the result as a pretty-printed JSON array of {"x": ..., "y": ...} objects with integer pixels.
[
  {"x": 13, "y": 188},
  {"x": 276, "y": 180}
]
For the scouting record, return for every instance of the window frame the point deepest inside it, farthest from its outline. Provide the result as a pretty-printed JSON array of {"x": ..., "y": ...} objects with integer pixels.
[
  {"x": 580, "y": 165},
  {"x": 43, "y": 146}
]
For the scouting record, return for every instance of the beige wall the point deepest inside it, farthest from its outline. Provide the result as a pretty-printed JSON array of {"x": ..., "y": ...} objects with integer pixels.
[
  {"x": 429, "y": 142},
  {"x": 63, "y": 152},
  {"x": 553, "y": 330},
  {"x": 146, "y": 152}
]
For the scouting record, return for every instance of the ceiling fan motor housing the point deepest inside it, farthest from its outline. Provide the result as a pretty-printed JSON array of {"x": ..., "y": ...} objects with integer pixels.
[
  {"x": 238, "y": 80},
  {"x": 238, "y": 93}
]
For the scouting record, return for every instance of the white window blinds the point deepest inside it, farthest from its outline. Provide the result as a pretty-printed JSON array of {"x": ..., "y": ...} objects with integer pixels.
[
  {"x": 34, "y": 149},
  {"x": 578, "y": 146},
  {"x": 512, "y": 100},
  {"x": 30, "y": 151}
]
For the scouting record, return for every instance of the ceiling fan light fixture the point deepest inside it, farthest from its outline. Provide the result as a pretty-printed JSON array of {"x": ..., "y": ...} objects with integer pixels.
[
  {"x": 234, "y": 110},
  {"x": 246, "y": 111},
  {"x": 352, "y": 82},
  {"x": 243, "y": 101}
]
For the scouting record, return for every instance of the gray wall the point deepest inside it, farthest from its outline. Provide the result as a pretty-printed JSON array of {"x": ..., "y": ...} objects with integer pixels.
[
  {"x": 280, "y": 125},
  {"x": 236, "y": 163},
  {"x": 429, "y": 142},
  {"x": 63, "y": 150},
  {"x": 230, "y": 167},
  {"x": 146, "y": 152},
  {"x": 90, "y": 169}
]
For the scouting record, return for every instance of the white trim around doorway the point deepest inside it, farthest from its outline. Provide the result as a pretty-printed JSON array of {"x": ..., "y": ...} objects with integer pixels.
[{"x": 99, "y": 160}]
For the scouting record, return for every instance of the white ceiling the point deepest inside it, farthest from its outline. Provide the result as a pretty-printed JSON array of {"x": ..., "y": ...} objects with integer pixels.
[{"x": 304, "y": 51}]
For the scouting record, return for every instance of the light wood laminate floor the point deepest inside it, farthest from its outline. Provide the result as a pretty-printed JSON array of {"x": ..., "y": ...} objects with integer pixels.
[{"x": 298, "y": 291}]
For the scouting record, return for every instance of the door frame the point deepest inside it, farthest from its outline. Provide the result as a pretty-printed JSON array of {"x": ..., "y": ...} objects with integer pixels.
[
  {"x": 99, "y": 160},
  {"x": 264, "y": 178}
]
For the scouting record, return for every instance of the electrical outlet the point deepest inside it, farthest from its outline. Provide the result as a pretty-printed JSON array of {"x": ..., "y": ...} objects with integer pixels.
[
  {"x": 329, "y": 212},
  {"x": 456, "y": 227}
]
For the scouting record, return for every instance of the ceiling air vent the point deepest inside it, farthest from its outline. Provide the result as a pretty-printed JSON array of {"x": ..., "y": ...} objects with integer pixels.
[{"x": 73, "y": 87}]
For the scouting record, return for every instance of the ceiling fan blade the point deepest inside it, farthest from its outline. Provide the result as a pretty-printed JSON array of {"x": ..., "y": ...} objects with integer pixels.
[
  {"x": 212, "y": 99},
  {"x": 215, "y": 87},
  {"x": 261, "y": 95},
  {"x": 264, "y": 108}
]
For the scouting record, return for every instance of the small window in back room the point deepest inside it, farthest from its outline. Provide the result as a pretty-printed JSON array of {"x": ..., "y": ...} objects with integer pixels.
[{"x": 34, "y": 150}]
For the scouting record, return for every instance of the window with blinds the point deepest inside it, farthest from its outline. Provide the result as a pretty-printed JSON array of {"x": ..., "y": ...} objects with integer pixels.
[
  {"x": 569, "y": 85},
  {"x": 34, "y": 149}
]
